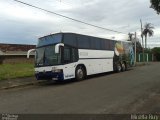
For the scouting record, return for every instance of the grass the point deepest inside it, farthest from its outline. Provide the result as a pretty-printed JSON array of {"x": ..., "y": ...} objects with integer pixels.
[{"x": 9, "y": 71}]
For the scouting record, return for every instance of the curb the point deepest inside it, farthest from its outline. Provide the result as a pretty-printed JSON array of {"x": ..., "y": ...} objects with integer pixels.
[
  {"x": 142, "y": 64},
  {"x": 21, "y": 85}
]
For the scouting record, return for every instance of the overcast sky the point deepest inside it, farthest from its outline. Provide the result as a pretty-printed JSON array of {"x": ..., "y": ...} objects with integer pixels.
[{"x": 24, "y": 25}]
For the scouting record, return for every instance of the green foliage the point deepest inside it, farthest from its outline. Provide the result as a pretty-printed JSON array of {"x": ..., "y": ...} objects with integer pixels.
[
  {"x": 147, "y": 31},
  {"x": 8, "y": 71},
  {"x": 156, "y": 52},
  {"x": 148, "y": 50},
  {"x": 155, "y": 4},
  {"x": 138, "y": 47}
]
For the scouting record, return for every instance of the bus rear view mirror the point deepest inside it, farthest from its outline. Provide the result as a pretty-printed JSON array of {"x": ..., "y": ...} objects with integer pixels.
[
  {"x": 29, "y": 51},
  {"x": 57, "y": 47}
]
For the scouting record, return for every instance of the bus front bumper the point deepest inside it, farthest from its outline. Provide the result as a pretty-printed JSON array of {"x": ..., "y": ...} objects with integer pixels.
[{"x": 49, "y": 75}]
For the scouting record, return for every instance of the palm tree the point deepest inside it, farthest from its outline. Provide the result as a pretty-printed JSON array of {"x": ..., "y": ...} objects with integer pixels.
[
  {"x": 147, "y": 31},
  {"x": 130, "y": 35}
]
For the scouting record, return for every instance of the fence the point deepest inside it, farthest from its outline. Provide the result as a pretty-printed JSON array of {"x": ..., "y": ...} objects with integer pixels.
[
  {"x": 12, "y": 59},
  {"x": 148, "y": 57}
]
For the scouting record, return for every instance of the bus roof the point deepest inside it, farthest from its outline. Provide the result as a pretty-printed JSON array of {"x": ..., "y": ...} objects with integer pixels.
[{"x": 82, "y": 35}]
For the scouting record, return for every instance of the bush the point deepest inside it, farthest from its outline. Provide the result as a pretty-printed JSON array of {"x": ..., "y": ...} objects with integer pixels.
[{"x": 156, "y": 52}]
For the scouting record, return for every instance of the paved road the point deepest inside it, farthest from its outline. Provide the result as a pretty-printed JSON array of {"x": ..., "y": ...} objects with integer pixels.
[{"x": 126, "y": 92}]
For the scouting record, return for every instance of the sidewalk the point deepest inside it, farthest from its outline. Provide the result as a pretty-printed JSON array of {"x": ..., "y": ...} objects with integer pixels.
[{"x": 12, "y": 83}]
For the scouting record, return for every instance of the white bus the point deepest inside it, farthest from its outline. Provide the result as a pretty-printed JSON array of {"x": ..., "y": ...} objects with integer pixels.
[{"x": 63, "y": 56}]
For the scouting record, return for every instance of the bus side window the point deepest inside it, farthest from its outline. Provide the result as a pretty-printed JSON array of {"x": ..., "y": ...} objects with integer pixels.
[
  {"x": 67, "y": 55},
  {"x": 70, "y": 54},
  {"x": 74, "y": 55}
]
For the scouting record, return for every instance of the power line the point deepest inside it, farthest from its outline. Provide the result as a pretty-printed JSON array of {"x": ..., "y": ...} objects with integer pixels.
[{"x": 67, "y": 17}]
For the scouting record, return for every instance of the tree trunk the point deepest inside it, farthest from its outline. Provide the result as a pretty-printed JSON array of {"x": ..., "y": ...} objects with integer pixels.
[
  {"x": 142, "y": 41},
  {"x": 145, "y": 41}
]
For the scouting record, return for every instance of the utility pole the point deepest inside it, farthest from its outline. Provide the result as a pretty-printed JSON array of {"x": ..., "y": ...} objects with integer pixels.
[
  {"x": 142, "y": 38},
  {"x": 135, "y": 48},
  {"x": 141, "y": 32}
]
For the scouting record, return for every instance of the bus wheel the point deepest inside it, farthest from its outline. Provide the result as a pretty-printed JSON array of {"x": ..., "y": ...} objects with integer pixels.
[
  {"x": 123, "y": 67},
  {"x": 118, "y": 67},
  {"x": 80, "y": 73}
]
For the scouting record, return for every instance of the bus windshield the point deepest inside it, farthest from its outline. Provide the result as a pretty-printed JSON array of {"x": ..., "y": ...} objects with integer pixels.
[
  {"x": 50, "y": 39},
  {"x": 46, "y": 56}
]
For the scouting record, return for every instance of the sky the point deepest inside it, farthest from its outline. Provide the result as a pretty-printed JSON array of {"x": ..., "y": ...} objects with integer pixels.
[{"x": 20, "y": 24}]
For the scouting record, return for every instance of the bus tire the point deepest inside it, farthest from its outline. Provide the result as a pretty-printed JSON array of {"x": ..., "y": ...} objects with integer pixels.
[
  {"x": 123, "y": 67},
  {"x": 80, "y": 73},
  {"x": 118, "y": 67}
]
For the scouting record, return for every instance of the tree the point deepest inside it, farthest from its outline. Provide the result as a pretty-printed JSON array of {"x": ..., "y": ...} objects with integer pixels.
[
  {"x": 155, "y": 4},
  {"x": 156, "y": 52},
  {"x": 130, "y": 35},
  {"x": 138, "y": 47},
  {"x": 147, "y": 31}
]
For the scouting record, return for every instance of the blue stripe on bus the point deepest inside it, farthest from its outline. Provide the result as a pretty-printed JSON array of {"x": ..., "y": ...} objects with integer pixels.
[{"x": 49, "y": 75}]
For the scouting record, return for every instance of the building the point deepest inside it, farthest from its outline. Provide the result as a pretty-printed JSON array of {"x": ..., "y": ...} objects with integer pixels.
[{"x": 15, "y": 53}]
